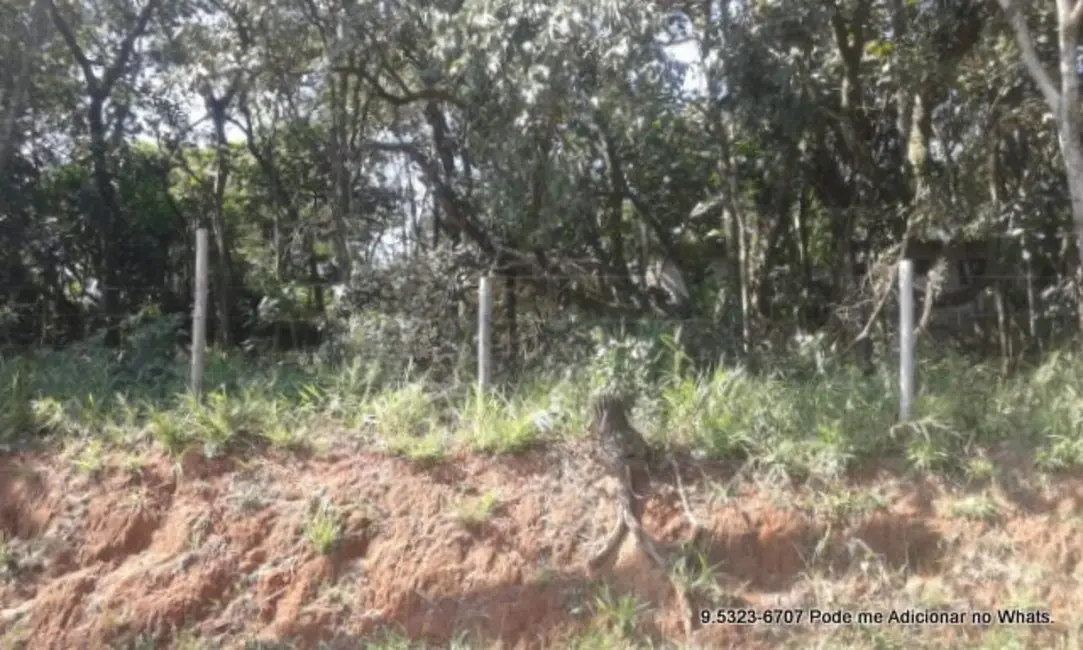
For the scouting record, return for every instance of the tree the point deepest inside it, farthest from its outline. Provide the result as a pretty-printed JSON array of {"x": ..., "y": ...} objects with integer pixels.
[
  {"x": 787, "y": 157},
  {"x": 99, "y": 87},
  {"x": 1063, "y": 101},
  {"x": 24, "y": 40}
]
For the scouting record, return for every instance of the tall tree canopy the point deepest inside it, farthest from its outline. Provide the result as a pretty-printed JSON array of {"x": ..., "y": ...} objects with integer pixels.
[{"x": 750, "y": 165}]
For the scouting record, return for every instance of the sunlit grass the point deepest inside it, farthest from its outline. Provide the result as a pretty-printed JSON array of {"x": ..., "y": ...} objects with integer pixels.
[{"x": 819, "y": 425}]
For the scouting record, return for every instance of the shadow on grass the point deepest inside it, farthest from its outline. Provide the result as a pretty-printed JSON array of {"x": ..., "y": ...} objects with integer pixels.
[{"x": 91, "y": 373}]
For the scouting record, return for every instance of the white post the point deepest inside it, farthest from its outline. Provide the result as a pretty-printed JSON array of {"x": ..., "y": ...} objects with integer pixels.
[
  {"x": 199, "y": 313},
  {"x": 906, "y": 339},
  {"x": 485, "y": 311}
]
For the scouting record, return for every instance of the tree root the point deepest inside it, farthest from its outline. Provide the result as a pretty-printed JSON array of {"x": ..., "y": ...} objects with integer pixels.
[{"x": 629, "y": 513}]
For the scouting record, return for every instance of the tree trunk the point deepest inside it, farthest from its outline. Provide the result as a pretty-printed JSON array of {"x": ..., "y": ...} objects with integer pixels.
[
  {"x": 1073, "y": 164},
  {"x": 222, "y": 240},
  {"x": 341, "y": 172},
  {"x": 315, "y": 282},
  {"x": 105, "y": 212},
  {"x": 511, "y": 307},
  {"x": 1064, "y": 104},
  {"x": 1069, "y": 133}
]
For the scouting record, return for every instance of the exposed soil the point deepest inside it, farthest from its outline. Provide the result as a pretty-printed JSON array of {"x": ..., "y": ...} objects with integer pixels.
[{"x": 224, "y": 550}]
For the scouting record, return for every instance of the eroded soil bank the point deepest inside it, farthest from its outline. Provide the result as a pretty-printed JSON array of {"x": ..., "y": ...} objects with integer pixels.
[{"x": 339, "y": 549}]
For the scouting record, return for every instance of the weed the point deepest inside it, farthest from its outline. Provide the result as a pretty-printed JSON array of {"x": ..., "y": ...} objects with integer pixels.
[
  {"x": 189, "y": 640},
  {"x": 91, "y": 458},
  {"x": 478, "y": 510},
  {"x": 979, "y": 469},
  {"x": 975, "y": 508},
  {"x": 323, "y": 527},
  {"x": 694, "y": 572},
  {"x": 843, "y": 503},
  {"x": 131, "y": 463},
  {"x": 8, "y": 562},
  {"x": 618, "y": 614},
  {"x": 496, "y": 425}
]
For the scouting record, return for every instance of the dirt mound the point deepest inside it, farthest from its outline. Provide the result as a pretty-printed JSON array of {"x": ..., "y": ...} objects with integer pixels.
[{"x": 338, "y": 549}]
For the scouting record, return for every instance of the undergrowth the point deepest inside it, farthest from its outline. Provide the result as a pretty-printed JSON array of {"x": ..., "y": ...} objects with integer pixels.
[{"x": 788, "y": 420}]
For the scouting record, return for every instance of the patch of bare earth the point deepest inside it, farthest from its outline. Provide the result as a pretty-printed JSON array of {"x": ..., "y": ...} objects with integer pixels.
[{"x": 228, "y": 551}]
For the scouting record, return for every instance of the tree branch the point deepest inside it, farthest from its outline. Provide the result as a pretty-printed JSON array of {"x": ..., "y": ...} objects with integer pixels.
[
  {"x": 1077, "y": 14},
  {"x": 114, "y": 71},
  {"x": 77, "y": 53},
  {"x": 1030, "y": 55},
  {"x": 449, "y": 200},
  {"x": 407, "y": 97}
]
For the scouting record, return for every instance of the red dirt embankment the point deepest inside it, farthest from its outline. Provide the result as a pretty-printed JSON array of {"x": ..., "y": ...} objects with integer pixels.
[{"x": 224, "y": 550}]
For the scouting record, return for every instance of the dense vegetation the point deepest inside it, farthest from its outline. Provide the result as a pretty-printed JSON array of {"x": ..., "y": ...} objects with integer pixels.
[
  {"x": 704, "y": 198},
  {"x": 703, "y": 203}
]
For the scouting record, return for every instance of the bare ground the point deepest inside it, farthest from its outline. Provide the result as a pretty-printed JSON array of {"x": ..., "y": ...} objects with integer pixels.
[{"x": 494, "y": 549}]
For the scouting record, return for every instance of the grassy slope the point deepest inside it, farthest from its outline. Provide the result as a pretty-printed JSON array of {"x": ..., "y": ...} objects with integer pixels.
[{"x": 815, "y": 431}]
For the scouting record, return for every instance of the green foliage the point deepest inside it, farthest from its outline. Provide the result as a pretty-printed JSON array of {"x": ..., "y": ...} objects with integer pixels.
[{"x": 792, "y": 425}]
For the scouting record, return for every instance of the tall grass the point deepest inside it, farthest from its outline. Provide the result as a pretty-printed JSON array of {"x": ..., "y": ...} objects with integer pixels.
[{"x": 811, "y": 424}]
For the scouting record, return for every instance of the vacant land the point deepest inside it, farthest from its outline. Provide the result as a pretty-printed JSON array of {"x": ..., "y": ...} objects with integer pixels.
[{"x": 303, "y": 508}]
